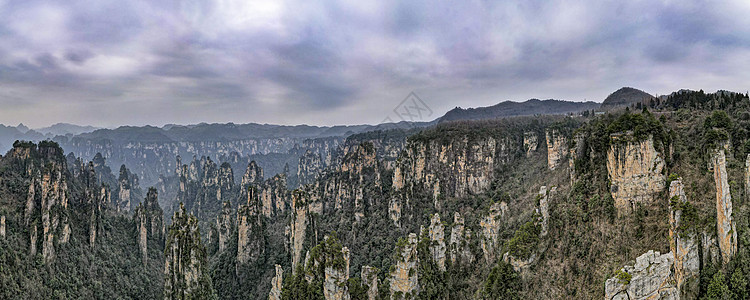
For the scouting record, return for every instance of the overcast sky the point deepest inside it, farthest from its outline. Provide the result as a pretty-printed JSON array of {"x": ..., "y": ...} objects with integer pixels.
[{"x": 109, "y": 63}]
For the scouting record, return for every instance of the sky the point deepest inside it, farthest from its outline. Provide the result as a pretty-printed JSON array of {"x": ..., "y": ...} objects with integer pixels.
[{"x": 129, "y": 62}]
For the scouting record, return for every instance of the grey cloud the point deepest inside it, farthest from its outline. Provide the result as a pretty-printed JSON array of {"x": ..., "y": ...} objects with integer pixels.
[{"x": 314, "y": 60}]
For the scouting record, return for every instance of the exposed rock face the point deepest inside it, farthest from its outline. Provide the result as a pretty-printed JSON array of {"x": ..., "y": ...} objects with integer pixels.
[
  {"x": 437, "y": 236},
  {"x": 394, "y": 211},
  {"x": 530, "y": 142},
  {"x": 185, "y": 274},
  {"x": 575, "y": 152},
  {"x": 459, "y": 243},
  {"x": 250, "y": 230},
  {"x": 2, "y": 226},
  {"x": 459, "y": 167},
  {"x": 651, "y": 278},
  {"x": 369, "y": 276},
  {"x": 150, "y": 220},
  {"x": 127, "y": 187},
  {"x": 273, "y": 193},
  {"x": 298, "y": 225},
  {"x": 490, "y": 230},
  {"x": 310, "y": 165},
  {"x": 519, "y": 265},
  {"x": 224, "y": 225},
  {"x": 635, "y": 171},
  {"x": 544, "y": 207},
  {"x": 253, "y": 177},
  {"x": 725, "y": 227},
  {"x": 336, "y": 277},
  {"x": 276, "y": 284},
  {"x": 557, "y": 148},
  {"x": 54, "y": 200},
  {"x": 683, "y": 244},
  {"x": 225, "y": 183},
  {"x": 710, "y": 249},
  {"x": 404, "y": 279}
]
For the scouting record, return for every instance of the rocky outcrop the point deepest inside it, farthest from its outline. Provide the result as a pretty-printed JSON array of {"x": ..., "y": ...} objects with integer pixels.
[
  {"x": 298, "y": 225},
  {"x": 725, "y": 226},
  {"x": 149, "y": 218},
  {"x": 459, "y": 242},
  {"x": 185, "y": 275},
  {"x": 683, "y": 242},
  {"x": 54, "y": 201},
  {"x": 336, "y": 277},
  {"x": 530, "y": 142},
  {"x": 369, "y": 276},
  {"x": 250, "y": 230},
  {"x": 544, "y": 206},
  {"x": 128, "y": 190},
  {"x": 253, "y": 177},
  {"x": 225, "y": 183},
  {"x": 224, "y": 225},
  {"x": 575, "y": 152},
  {"x": 404, "y": 278},
  {"x": 310, "y": 165},
  {"x": 273, "y": 195},
  {"x": 2, "y": 226},
  {"x": 437, "y": 238},
  {"x": 635, "y": 170},
  {"x": 557, "y": 148},
  {"x": 276, "y": 284},
  {"x": 459, "y": 166},
  {"x": 649, "y": 278},
  {"x": 490, "y": 230}
]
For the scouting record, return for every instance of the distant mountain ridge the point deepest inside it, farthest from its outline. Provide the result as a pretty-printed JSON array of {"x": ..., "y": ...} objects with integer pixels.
[
  {"x": 511, "y": 109},
  {"x": 64, "y": 129}
]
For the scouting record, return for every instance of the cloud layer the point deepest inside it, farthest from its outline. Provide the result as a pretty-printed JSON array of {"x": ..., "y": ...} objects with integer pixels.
[{"x": 110, "y": 63}]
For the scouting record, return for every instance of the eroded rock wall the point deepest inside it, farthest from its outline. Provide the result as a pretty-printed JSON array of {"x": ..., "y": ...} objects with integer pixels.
[
  {"x": 636, "y": 171},
  {"x": 725, "y": 226}
]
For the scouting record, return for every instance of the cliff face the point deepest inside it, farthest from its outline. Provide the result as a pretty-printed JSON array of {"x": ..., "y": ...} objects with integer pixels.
[
  {"x": 725, "y": 226},
  {"x": 149, "y": 218},
  {"x": 459, "y": 242},
  {"x": 276, "y": 284},
  {"x": 453, "y": 168},
  {"x": 129, "y": 191},
  {"x": 95, "y": 198},
  {"x": 437, "y": 238},
  {"x": 530, "y": 142},
  {"x": 250, "y": 230},
  {"x": 298, "y": 225},
  {"x": 457, "y": 167},
  {"x": 635, "y": 170},
  {"x": 557, "y": 148},
  {"x": 404, "y": 278},
  {"x": 310, "y": 165},
  {"x": 490, "y": 229},
  {"x": 224, "y": 225},
  {"x": 336, "y": 277},
  {"x": 47, "y": 197},
  {"x": 369, "y": 276},
  {"x": 649, "y": 278},
  {"x": 185, "y": 275},
  {"x": 684, "y": 244},
  {"x": 274, "y": 195}
]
